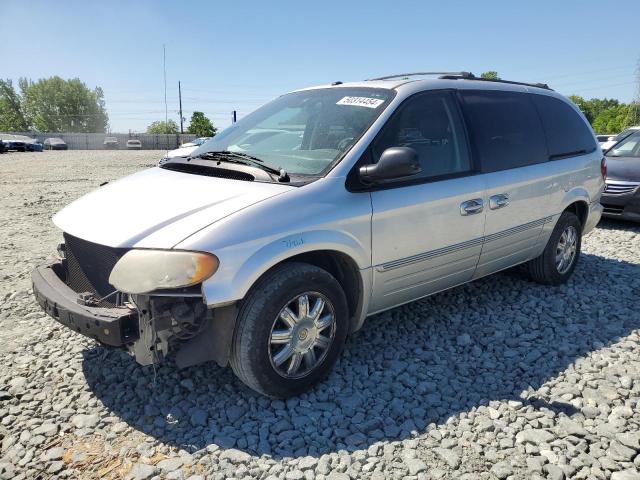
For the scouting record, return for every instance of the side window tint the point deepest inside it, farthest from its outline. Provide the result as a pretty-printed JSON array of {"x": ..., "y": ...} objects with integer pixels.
[
  {"x": 567, "y": 133},
  {"x": 505, "y": 128},
  {"x": 430, "y": 124}
]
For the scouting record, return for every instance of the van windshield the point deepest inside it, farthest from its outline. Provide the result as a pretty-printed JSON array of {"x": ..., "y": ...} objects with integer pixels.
[{"x": 303, "y": 132}]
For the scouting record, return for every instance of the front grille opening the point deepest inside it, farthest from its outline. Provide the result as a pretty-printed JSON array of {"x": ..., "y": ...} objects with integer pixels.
[
  {"x": 614, "y": 209},
  {"x": 208, "y": 171},
  {"x": 617, "y": 188},
  {"x": 88, "y": 266}
]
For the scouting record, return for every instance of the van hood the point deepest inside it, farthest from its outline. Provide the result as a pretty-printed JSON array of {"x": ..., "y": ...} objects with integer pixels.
[{"x": 158, "y": 208}]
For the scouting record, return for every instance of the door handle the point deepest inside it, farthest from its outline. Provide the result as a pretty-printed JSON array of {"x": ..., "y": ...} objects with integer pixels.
[
  {"x": 498, "y": 201},
  {"x": 471, "y": 207}
]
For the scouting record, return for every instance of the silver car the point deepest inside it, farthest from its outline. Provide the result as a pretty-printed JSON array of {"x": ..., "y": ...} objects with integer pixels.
[{"x": 276, "y": 239}]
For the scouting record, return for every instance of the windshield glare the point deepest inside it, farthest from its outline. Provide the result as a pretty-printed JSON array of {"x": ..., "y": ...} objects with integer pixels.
[
  {"x": 303, "y": 132},
  {"x": 630, "y": 147}
]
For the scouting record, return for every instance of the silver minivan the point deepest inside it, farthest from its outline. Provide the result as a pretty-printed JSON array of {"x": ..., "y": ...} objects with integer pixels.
[{"x": 275, "y": 239}]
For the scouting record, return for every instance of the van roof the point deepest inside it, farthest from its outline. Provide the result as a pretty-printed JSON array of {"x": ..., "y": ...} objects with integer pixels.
[{"x": 437, "y": 80}]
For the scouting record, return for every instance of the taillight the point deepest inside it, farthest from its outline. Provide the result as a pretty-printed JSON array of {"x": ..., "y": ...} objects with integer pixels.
[{"x": 603, "y": 168}]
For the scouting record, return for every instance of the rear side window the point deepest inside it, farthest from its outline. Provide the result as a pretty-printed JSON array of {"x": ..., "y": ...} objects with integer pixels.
[
  {"x": 505, "y": 128},
  {"x": 566, "y": 131}
]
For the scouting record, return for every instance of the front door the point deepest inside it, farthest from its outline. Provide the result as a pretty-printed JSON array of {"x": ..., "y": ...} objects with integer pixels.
[{"x": 426, "y": 231}]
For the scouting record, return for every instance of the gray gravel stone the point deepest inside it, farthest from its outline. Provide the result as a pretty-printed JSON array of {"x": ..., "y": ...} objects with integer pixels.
[
  {"x": 235, "y": 456},
  {"x": 415, "y": 466},
  {"x": 554, "y": 472},
  {"x": 307, "y": 463},
  {"x": 620, "y": 452},
  {"x": 85, "y": 421},
  {"x": 534, "y": 436},
  {"x": 450, "y": 456},
  {"x": 55, "y": 467},
  {"x": 46, "y": 429},
  {"x": 198, "y": 418},
  {"x": 502, "y": 470},
  {"x": 629, "y": 439},
  {"x": 141, "y": 471},
  {"x": 626, "y": 475},
  {"x": 170, "y": 464},
  {"x": 55, "y": 453}
]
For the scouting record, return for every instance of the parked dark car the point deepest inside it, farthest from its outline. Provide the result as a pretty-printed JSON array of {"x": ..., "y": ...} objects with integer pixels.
[
  {"x": 14, "y": 142},
  {"x": 110, "y": 143},
  {"x": 55, "y": 144},
  {"x": 1, "y": 146},
  {"x": 621, "y": 198},
  {"x": 34, "y": 145}
]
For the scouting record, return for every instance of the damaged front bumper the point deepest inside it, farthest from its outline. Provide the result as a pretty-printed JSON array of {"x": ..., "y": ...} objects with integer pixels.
[
  {"x": 117, "y": 326},
  {"x": 145, "y": 325}
]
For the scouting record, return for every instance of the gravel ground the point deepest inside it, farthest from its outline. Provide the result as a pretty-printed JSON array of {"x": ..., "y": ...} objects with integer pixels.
[{"x": 500, "y": 378}]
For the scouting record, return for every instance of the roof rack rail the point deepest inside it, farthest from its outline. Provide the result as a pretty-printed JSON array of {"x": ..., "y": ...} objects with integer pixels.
[
  {"x": 462, "y": 76},
  {"x": 471, "y": 76},
  {"x": 416, "y": 74}
]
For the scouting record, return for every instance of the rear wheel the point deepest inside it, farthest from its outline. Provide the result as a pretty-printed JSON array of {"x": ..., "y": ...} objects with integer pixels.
[
  {"x": 290, "y": 330},
  {"x": 560, "y": 256}
]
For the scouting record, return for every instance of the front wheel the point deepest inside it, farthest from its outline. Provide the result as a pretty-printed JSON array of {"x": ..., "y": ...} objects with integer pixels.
[
  {"x": 560, "y": 256},
  {"x": 290, "y": 330}
]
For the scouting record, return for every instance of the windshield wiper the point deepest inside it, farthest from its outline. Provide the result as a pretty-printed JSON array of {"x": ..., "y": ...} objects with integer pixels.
[{"x": 244, "y": 159}]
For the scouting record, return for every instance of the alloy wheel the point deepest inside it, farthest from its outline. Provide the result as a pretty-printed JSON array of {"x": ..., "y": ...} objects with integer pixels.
[
  {"x": 301, "y": 335},
  {"x": 566, "y": 249}
]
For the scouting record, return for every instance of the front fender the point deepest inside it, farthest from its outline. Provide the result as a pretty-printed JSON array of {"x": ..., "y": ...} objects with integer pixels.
[{"x": 239, "y": 271}]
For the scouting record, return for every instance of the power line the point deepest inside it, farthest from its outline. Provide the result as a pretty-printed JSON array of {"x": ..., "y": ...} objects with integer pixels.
[
  {"x": 602, "y": 86},
  {"x": 573, "y": 74},
  {"x": 593, "y": 80}
]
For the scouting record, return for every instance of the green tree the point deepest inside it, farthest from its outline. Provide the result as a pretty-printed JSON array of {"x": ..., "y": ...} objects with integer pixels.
[
  {"x": 11, "y": 116},
  {"x": 594, "y": 107},
  {"x": 58, "y": 105},
  {"x": 201, "y": 125},
  {"x": 613, "y": 120},
  {"x": 162, "y": 127},
  {"x": 490, "y": 75}
]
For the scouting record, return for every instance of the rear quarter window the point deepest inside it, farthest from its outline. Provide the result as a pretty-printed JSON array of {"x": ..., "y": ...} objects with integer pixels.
[
  {"x": 567, "y": 133},
  {"x": 505, "y": 128}
]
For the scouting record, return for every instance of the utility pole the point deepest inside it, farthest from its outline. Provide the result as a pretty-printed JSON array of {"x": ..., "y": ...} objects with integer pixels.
[
  {"x": 234, "y": 117},
  {"x": 164, "y": 69},
  {"x": 180, "y": 97},
  {"x": 635, "y": 103}
]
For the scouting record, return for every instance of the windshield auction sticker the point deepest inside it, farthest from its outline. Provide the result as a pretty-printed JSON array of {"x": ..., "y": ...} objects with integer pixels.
[{"x": 360, "y": 102}]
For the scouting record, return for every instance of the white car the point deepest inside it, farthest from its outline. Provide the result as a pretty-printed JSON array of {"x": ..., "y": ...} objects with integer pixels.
[
  {"x": 277, "y": 238},
  {"x": 186, "y": 148},
  {"x": 617, "y": 138},
  {"x": 134, "y": 144},
  {"x": 602, "y": 139}
]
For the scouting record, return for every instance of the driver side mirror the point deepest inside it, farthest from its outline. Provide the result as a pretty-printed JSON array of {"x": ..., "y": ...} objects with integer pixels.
[{"x": 394, "y": 163}]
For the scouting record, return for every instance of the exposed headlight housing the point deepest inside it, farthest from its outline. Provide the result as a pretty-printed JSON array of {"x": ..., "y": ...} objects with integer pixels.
[{"x": 143, "y": 271}]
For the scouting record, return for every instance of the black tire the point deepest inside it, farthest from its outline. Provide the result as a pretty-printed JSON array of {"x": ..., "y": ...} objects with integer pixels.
[
  {"x": 543, "y": 269},
  {"x": 251, "y": 358}
]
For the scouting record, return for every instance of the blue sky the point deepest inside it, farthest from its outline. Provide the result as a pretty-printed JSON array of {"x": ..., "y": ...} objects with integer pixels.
[{"x": 238, "y": 55}]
